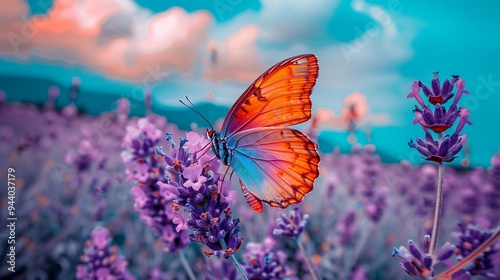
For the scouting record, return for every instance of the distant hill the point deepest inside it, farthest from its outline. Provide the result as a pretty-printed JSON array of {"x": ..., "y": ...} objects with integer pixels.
[{"x": 34, "y": 91}]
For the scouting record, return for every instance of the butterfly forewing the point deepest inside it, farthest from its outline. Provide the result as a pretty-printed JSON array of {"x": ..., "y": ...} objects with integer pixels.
[
  {"x": 277, "y": 165},
  {"x": 279, "y": 97}
]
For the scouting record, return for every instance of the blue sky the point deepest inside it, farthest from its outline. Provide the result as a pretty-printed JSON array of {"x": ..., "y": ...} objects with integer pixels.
[{"x": 378, "y": 48}]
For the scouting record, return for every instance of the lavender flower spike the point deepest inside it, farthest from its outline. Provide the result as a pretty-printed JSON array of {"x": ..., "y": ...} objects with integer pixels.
[
  {"x": 154, "y": 207},
  {"x": 440, "y": 119},
  {"x": 443, "y": 149},
  {"x": 291, "y": 226},
  {"x": 100, "y": 260},
  {"x": 193, "y": 184},
  {"x": 417, "y": 262},
  {"x": 263, "y": 261}
]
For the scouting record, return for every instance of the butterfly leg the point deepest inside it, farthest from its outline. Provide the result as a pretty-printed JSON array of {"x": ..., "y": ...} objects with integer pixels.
[
  {"x": 224, "y": 177},
  {"x": 205, "y": 150}
]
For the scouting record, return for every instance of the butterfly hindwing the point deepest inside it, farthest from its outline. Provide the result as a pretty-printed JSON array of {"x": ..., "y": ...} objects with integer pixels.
[
  {"x": 279, "y": 97},
  {"x": 276, "y": 165},
  {"x": 252, "y": 200}
]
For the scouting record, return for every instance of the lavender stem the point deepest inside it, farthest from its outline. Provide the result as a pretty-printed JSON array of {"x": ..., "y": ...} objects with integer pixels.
[
  {"x": 308, "y": 263},
  {"x": 235, "y": 261},
  {"x": 437, "y": 212},
  {"x": 469, "y": 258},
  {"x": 186, "y": 266}
]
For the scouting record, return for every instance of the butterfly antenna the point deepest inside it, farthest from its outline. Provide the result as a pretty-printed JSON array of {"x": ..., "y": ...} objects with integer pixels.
[{"x": 194, "y": 109}]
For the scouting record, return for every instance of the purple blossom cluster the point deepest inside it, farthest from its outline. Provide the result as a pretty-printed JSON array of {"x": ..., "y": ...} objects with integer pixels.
[
  {"x": 155, "y": 207},
  {"x": 264, "y": 261},
  {"x": 101, "y": 261},
  {"x": 69, "y": 179},
  {"x": 417, "y": 262},
  {"x": 374, "y": 194},
  {"x": 146, "y": 169},
  {"x": 193, "y": 183},
  {"x": 438, "y": 119},
  {"x": 468, "y": 238}
]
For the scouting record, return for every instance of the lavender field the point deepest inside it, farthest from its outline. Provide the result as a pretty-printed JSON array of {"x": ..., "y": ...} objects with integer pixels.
[
  {"x": 256, "y": 139},
  {"x": 120, "y": 197}
]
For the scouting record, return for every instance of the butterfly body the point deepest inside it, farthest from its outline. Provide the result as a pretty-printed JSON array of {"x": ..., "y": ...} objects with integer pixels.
[
  {"x": 219, "y": 147},
  {"x": 275, "y": 164}
]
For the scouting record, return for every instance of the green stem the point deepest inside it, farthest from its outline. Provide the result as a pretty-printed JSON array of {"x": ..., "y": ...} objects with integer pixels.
[
  {"x": 308, "y": 263},
  {"x": 437, "y": 211},
  {"x": 238, "y": 266},
  {"x": 186, "y": 266},
  {"x": 235, "y": 262}
]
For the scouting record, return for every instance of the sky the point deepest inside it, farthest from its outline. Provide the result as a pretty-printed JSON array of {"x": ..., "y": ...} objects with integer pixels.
[{"x": 118, "y": 48}]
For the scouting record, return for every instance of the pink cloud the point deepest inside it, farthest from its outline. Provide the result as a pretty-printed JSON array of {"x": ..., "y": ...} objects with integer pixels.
[
  {"x": 11, "y": 13},
  {"x": 236, "y": 58},
  {"x": 115, "y": 37}
]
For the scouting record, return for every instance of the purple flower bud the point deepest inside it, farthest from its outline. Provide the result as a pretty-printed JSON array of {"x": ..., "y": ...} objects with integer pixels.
[
  {"x": 415, "y": 251},
  {"x": 445, "y": 252},
  {"x": 426, "y": 242}
]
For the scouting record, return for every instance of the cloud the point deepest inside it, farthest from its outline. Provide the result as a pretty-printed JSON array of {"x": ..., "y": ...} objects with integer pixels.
[
  {"x": 369, "y": 63},
  {"x": 297, "y": 22},
  {"x": 10, "y": 14},
  {"x": 122, "y": 40},
  {"x": 117, "y": 38},
  {"x": 239, "y": 42},
  {"x": 285, "y": 22}
]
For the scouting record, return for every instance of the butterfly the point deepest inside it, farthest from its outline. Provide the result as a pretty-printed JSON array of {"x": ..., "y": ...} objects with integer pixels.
[{"x": 275, "y": 164}]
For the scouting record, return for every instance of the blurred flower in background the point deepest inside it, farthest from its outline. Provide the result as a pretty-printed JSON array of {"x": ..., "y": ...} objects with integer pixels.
[
  {"x": 351, "y": 219},
  {"x": 100, "y": 261},
  {"x": 355, "y": 115}
]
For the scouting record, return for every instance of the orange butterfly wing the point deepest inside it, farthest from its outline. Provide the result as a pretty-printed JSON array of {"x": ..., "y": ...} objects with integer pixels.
[
  {"x": 279, "y": 97},
  {"x": 254, "y": 202}
]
